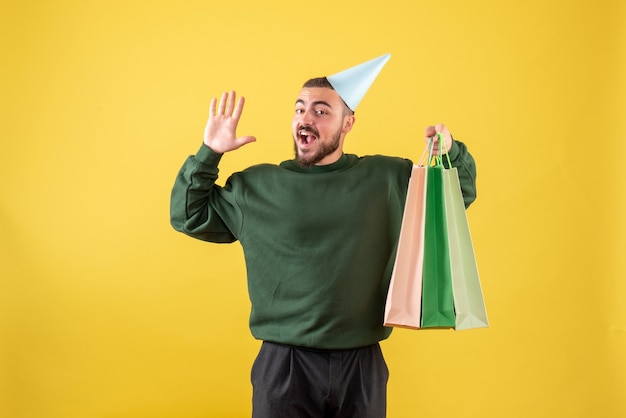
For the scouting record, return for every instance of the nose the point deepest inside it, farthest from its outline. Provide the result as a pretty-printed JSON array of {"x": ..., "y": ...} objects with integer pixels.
[{"x": 305, "y": 118}]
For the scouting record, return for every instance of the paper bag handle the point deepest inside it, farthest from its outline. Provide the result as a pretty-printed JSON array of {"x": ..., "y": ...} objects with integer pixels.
[{"x": 438, "y": 159}]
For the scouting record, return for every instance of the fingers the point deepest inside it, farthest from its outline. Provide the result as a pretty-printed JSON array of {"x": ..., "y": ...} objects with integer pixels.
[
  {"x": 222, "y": 107},
  {"x": 431, "y": 133},
  {"x": 212, "y": 107},
  {"x": 245, "y": 140},
  {"x": 239, "y": 108},
  {"x": 231, "y": 103},
  {"x": 227, "y": 105},
  {"x": 220, "y": 130}
]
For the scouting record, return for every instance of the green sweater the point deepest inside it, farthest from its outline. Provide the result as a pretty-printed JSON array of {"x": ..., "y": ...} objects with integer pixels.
[{"x": 319, "y": 242}]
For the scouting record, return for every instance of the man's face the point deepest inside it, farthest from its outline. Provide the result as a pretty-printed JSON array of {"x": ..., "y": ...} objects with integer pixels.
[{"x": 319, "y": 126}]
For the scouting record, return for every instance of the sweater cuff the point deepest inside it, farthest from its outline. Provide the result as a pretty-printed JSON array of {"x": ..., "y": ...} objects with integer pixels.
[
  {"x": 207, "y": 156},
  {"x": 454, "y": 150}
]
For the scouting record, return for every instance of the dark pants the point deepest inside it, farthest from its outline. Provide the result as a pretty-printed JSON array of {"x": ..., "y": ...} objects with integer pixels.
[{"x": 292, "y": 382}]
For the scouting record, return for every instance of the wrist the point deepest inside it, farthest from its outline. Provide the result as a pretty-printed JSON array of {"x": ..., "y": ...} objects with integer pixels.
[{"x": 213, "y": 148}]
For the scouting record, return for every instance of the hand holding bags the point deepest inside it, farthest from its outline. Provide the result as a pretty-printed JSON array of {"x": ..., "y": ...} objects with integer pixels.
[{"x": 435, "y": 279}]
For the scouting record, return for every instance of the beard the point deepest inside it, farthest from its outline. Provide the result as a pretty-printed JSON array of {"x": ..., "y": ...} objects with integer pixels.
[{"x": 311, "y": 157}]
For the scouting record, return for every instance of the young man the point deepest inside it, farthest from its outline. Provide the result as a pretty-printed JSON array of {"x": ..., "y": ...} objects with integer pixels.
[{"x": 319, "y": 234}]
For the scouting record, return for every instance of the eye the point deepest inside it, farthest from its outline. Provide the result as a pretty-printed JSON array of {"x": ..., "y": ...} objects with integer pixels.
[
  {"x": 299, "y": 111},
  {"x": 321, "y": 112}
]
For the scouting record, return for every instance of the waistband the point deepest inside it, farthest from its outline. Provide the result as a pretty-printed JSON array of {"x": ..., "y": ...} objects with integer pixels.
[{"x": 323, "y": 350}]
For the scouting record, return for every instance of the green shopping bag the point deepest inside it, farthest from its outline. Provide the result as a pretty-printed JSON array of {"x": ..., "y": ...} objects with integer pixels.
[
  {"x": 437, "y": 296},
  {"x": 468, "y": 297}
]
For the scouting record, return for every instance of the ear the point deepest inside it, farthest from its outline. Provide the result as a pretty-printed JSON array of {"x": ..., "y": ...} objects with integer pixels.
[{"x": 348, "y": 123}]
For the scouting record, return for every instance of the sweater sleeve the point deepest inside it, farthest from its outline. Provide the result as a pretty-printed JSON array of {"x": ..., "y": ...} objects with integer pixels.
[
  {"x": 464, "y": 162},
  {"x": 199, "y": 207}
]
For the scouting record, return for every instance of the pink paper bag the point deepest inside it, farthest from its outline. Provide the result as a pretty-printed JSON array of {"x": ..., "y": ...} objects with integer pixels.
[{"x": 404, "y": 298}]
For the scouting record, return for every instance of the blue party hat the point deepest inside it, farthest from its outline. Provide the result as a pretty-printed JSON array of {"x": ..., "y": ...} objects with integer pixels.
[{"x": 353, "y": 83}]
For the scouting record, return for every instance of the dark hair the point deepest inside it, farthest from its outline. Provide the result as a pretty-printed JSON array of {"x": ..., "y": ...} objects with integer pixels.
[
  {"x": 318, "y": 82},
  {"x": 322, "y": 82}
]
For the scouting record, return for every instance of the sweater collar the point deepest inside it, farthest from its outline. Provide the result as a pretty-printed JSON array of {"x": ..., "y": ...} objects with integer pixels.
[{"x": 292, "y": 165}]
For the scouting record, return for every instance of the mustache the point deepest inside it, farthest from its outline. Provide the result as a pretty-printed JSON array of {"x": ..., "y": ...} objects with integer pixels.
[{"x": 308, "y": 129}]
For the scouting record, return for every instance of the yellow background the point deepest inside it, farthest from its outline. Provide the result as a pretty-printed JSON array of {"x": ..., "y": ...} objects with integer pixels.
[{"x": 106, "y": 312}]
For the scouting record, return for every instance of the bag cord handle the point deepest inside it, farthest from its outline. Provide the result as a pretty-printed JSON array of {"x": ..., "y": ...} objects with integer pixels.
[{"x": 437, "y": 158}]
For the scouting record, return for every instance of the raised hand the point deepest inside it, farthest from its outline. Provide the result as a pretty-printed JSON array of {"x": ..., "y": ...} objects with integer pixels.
[{"x": 220, "y": 132}]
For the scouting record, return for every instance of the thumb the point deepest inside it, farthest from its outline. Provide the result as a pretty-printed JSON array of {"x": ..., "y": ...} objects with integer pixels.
[{"x": 243, "y": 140}]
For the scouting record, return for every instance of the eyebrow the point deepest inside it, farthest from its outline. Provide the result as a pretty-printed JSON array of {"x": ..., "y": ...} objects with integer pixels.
[{"x": 318, "y": 102}]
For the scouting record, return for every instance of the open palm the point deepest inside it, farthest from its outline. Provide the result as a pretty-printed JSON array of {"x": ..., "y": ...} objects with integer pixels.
[{"x": 220, "y": 132}]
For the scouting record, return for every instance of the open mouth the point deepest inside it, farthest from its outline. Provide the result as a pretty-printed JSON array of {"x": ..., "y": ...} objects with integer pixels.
[{"x": 306, "y": 136}]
